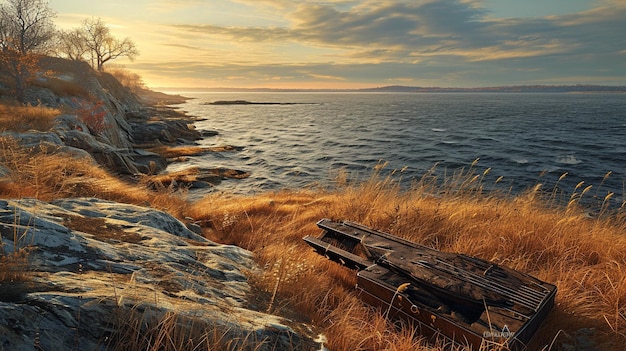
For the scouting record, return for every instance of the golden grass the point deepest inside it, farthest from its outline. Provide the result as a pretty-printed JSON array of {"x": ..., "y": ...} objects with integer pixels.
[
  {"x": 62, "y": 87},
  {"x": 14, "y": 258},
  {"x": 164, "y": 180},
  {"x": 17, "y": 118},
  {"x": 14, "y": 263},
  {"x": 150, "y": 331},
  {"x": 584, "y": 257},
  {"x": 47, "y": 175}
]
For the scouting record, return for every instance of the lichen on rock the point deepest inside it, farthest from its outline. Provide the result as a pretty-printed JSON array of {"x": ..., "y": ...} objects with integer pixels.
[{"x": 94, "y": 265}]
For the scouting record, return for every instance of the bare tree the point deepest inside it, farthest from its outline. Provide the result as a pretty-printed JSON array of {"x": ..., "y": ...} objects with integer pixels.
[
  {"x": 102, "y": 46},
  {"x": 26, "y": 25},
  {"x": 71, "y": 44},
  {"x": 26, "y": 30}
]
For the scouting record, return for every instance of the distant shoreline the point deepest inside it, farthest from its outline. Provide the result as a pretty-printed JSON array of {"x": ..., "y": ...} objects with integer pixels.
[
  {"x": 411, "y": 89},
  {"x": 245, "y": 102}
]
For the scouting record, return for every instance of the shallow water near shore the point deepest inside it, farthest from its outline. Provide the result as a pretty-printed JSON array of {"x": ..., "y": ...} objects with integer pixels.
[{"x": 306, "y": 138}]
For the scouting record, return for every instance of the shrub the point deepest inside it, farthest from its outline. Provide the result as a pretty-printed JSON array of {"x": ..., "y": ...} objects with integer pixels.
[
  {"x": 128, "y": 79},
  {"x": 92, "y": 114}
]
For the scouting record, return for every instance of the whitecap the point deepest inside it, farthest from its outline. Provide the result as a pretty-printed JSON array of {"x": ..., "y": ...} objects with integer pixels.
[
  {"x": 521, "y": 161},
  {"x": 568, "y": 160},
  {"x": 438, "y": 129}
]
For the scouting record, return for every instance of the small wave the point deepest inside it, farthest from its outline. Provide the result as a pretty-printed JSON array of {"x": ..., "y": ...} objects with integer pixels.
[
  {"x": 521, "y": 161},
  {"x": 438, "y": 130},
  {"x": 569, "y": 160},
  {"x": 296, "y": 173}
]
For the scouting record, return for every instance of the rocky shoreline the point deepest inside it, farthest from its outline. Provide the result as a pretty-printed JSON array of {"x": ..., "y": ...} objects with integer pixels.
[{"x": 98, "y": 269}]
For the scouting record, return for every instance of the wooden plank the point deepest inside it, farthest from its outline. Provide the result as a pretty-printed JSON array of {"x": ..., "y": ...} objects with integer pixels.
[
  {"x": 338, "y": 255},
  {"x": 457, "y": 296}
]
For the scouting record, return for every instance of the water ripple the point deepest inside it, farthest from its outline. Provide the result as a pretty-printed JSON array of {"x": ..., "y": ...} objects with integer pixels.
[{"x": 519, "y": 136}]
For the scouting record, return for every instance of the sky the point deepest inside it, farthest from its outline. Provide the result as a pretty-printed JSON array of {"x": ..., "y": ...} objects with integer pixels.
[{"x": 364, "y": 43}]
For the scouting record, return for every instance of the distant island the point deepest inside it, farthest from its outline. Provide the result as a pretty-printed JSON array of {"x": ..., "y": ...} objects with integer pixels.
[
  {"x": 579, "y": 88},
  {"x": 245, "y": 102}
]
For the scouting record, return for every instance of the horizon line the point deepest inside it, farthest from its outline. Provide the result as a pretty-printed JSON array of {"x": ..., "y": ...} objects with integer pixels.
[{"x": 407, "y": 88}]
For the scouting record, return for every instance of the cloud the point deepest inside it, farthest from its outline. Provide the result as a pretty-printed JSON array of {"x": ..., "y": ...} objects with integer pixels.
[
  {"x": 424, "y": 26},
  {"x": 182, "y": 46},
  {"x": 246, "y": 34},
  {"x": 420, "y": 39}
]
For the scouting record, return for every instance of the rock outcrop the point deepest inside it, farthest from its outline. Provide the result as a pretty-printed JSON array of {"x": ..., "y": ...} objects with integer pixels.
[
  {"x": 104, "y": 119},
  {"x": 96, "y": 267},
  {"x": 98, "y": 272}
]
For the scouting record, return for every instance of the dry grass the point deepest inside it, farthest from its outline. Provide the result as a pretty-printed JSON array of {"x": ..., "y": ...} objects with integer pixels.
[
  {"x": 62, "y": 87},
  {"x": 152, "y": 331},
  {"x": 14, "y": 252},
  {"x": 47, "y": 175},
  {"x": 584, "y": 257},
  {"x": 185, "y": 176},
  {"x": 17, "y": 118},
  {"x": 14, "y": 262}
]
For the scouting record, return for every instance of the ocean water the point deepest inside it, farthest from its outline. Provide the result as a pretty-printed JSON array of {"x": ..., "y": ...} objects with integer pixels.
[{"x": 523, "y": 138}]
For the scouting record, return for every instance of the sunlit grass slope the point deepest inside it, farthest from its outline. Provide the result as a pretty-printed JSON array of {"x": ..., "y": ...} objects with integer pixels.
[{"x": 584, "y": 257}]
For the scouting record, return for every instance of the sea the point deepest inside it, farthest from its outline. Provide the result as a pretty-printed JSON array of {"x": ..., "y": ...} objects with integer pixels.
[{"x": 513, "y": 141}]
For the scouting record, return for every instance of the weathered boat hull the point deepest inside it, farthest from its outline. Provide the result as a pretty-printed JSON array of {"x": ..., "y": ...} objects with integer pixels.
[{"x": 469, "y": 301}]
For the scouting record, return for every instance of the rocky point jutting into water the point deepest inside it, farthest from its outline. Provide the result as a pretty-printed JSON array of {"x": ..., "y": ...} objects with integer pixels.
[{"x": 96, "y": 268}]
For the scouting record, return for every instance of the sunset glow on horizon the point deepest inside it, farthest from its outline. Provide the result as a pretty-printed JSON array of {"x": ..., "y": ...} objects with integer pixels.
[{"x": 364, "y": 43}]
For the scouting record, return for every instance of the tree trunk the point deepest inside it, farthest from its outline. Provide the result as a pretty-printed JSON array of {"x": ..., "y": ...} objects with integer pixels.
[{"x": 20, "y": 95}]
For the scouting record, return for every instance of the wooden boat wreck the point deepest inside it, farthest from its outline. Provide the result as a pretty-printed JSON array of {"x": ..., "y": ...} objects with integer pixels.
[{"x": 471, "y": 302}]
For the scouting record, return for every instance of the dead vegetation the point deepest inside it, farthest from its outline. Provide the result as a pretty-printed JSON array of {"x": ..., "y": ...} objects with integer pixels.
[
  {"x": 147, "y": 330},
  {"x": 584, "y": 256},
  {"x": 47, "y": 174},
  {"x": 17, "y": 118}
]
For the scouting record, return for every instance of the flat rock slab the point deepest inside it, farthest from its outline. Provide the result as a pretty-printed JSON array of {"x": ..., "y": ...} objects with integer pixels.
[{"x": 92, "y": 261}]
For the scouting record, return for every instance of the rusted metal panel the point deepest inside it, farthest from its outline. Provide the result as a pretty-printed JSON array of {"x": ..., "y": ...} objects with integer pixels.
[{"x": 470, "y": 301}]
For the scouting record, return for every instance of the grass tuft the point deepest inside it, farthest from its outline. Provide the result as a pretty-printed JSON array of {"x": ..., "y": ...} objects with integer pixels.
[
  {"x": 152, "y": 331},
  {"x": 14, "y": 252},
  {"x": 61, "y": 87},
  {"x": 17, "y": 118},
  {"x": 46, "y": 174}
]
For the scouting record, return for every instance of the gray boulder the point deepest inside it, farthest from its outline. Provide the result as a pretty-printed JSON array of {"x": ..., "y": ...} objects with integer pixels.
[{"x": 96, "y": 267}]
